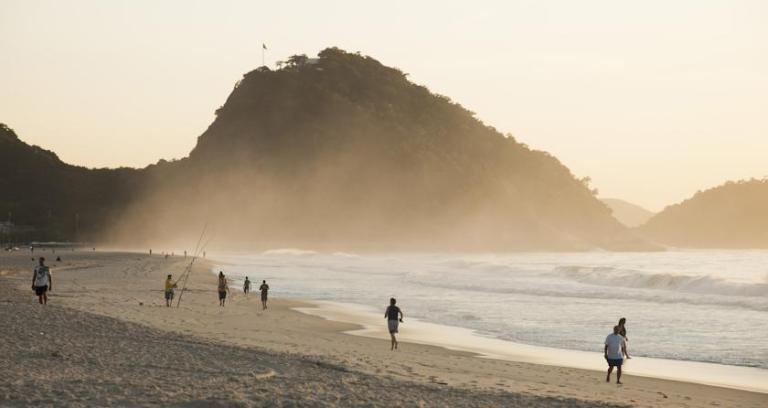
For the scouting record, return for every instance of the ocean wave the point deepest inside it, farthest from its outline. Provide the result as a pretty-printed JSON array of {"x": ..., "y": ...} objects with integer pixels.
[
  {"x": 628, "y": 278},
  {"x": 345, "y": 255},
  {"x": 289, "y": 251},
  {"x": 589, "y": 291}
]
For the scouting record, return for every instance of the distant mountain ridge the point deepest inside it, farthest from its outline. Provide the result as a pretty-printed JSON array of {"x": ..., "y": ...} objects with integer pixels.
[
  {"x": 733, "y": 215},
  {"x": 631, "y": 215},
  {"x": 343, "y": 152}
]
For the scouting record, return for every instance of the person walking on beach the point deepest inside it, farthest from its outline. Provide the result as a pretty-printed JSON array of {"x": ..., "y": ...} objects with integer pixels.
[
  {"x": 615, "y": 349},
  {"x": 623, "y": 333},
  {"x": 394, "y": 315},
  {"x": 246, "y": 286},
  {"x": 223, "y": 288},
  {"x": 169, "y": 286},
  {"x": 42, "y": 281},
  {"x": 264, "y": 288}
]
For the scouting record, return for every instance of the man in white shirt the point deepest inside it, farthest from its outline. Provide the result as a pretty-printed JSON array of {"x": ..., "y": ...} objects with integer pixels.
[
  {"x": 42, "y": 282},
  {"x": 615, "y": 349}
]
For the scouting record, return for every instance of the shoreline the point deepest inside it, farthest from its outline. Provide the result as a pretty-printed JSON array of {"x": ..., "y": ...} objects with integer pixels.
[
  {"x": 467, "y": 340},
  {"x": 128, "y": 287}
]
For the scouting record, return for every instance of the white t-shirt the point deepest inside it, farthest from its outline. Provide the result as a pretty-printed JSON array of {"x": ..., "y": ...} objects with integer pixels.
[
  {"x": 614, "y": 343},
  {"x": 41, "y": 275}
]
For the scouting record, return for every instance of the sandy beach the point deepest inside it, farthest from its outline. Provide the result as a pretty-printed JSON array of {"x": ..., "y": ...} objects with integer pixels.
[{"x": 106, "y": 338}]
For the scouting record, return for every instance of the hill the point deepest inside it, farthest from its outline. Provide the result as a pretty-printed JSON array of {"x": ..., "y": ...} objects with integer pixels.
[
  {"x": 733, "y": 215},
  {"x": 344, "y": 152},
  {"x": 59, "y": 201},
  {"x": 630, "y": 215}
]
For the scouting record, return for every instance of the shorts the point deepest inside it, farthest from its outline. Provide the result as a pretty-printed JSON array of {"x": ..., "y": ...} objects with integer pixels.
[
  {"x": 264, "y": 296},
  {"x": 392, "y": 325},
  {"x": 615, "y": 362},
  {"x": 40, "y": 290},
  {"x": 168, "y": 295},
  {"x": 222, "y": 295}
]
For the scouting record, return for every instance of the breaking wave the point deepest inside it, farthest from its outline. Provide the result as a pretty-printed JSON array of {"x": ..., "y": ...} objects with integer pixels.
[{"x": 627, "y": 278}]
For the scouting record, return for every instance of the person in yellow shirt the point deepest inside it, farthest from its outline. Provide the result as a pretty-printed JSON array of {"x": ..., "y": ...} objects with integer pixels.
[{"x": 169, "y": 286}]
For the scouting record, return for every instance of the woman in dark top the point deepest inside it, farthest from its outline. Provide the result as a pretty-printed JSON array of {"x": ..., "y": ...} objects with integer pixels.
[
  {"x": 622, "y": 329},
  {"x": 623, "y": 333},
  {"x": 393, "y": 314}
]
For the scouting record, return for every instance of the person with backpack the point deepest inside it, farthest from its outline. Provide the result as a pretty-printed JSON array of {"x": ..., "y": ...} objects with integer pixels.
[{"x": 42, "y": 281}]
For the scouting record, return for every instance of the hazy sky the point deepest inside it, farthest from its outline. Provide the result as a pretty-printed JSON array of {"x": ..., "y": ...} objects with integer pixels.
[{"x": 652, "y": 99}]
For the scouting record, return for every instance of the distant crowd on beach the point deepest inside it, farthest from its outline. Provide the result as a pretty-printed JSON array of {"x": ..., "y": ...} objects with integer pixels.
[{"x": 615, "y": 347}]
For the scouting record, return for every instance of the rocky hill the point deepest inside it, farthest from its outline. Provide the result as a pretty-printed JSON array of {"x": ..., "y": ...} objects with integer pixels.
[{"x": 341, "y": 151}]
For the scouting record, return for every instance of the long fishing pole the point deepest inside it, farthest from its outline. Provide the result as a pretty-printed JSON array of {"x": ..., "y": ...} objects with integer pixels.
[
  {"x": 188, "y": 269},
  {"x": 198, "y": 249}
]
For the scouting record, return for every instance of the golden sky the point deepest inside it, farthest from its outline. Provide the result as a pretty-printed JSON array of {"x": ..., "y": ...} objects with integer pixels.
[{"x": 653, "y": 100}]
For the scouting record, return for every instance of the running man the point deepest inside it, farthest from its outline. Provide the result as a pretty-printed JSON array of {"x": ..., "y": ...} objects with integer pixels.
[
  {"x": 264, "y": 288},
  {"x": 393, "y": 314},
  {"x": 223, "y": 288},
  {"x": 42, "y": 282},
  {"x": 615, "y": 349},
  {"x": 169, "y": 286},
  {"x": 246, "y": 286}
]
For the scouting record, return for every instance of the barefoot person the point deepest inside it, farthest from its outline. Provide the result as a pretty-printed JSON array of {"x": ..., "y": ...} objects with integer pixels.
[
  {"x": 615, "y": 349},
  {"x": 42, "y": 282},
  {"x": 264, "y": 288},
  {"x": 169, "y": 286},
  {"x": 246, "y": 286},
  {"x": 223, "y": 288},
  {"x": 394, "y": 315}
]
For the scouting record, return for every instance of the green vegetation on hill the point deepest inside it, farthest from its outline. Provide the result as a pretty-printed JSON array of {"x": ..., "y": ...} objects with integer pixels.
[
  {"x": 342, "y": 151},
  {"x": 733, "y": 215},
  {"x": 60, "y": 201}
]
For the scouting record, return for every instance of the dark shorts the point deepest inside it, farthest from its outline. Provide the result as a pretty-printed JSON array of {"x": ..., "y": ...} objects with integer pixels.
[
  {"x": 222, "y": 295},
  {"x": 392, "y": 325},
  {"x": 40, "y": 290},
  {"x": 263, "y": 295},
  {"x": 168, "y": 294},
  {"x": 615, "y": 362}
]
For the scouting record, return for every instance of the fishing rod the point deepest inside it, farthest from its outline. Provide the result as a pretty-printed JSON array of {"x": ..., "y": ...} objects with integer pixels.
[{"x": 195, "y": 255}]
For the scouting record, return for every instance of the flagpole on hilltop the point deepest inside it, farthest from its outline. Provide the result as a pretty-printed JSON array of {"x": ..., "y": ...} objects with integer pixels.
[{"x": 263, "y": 52}]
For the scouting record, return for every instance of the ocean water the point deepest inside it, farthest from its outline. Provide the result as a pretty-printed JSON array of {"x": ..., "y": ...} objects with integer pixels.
[{"x": 703, "y": 306}]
